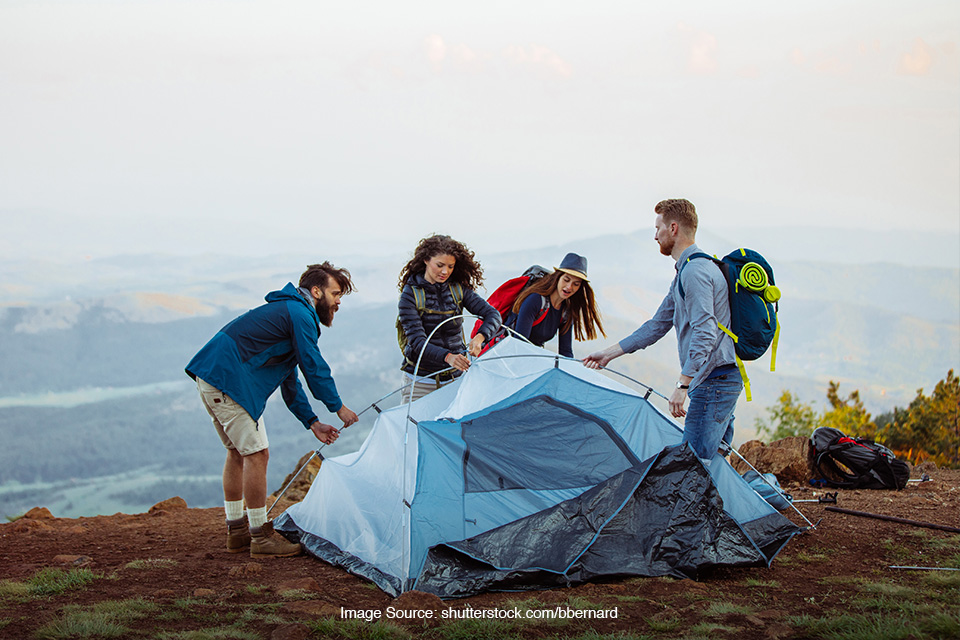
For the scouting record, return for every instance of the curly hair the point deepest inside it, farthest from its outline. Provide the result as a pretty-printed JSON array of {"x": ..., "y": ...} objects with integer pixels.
[
  {"x": 466, "y": 270},
  {"x": 583, "y": 313}
]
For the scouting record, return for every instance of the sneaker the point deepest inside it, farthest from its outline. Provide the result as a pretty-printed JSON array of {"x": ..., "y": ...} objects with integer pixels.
[
  {"x": 267, "y": 543},
  {"x": 238, "y": 535}
]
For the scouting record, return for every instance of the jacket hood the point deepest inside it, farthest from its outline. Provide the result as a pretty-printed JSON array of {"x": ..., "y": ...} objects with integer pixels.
[{"x": 291, "y": 293}]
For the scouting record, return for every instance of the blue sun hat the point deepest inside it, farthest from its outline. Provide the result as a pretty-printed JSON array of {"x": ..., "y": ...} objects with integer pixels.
[{"x": 575, "y": 265}]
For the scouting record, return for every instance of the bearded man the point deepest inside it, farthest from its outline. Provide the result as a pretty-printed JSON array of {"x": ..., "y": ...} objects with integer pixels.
[
  {"x": 241, "y": 366},
  {"x": 708, "y": 369}
]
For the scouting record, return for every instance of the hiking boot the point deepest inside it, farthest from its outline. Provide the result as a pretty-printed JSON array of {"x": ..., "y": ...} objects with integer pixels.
[
  {"x": 238, "y": 535},
  {"x": 267, "y": 543}
]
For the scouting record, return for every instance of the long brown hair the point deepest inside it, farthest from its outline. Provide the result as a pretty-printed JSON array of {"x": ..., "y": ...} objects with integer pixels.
[
  {"x": 582, "y": 306},
  {"x": 466, "y": 270}
]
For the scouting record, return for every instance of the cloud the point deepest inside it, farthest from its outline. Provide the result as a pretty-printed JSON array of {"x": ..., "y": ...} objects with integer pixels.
[
  {"x": 797, "y": 57},
  {"x": 701, "y": 48},
  {"x": 538, "y": 56},
  {"x": 918, "y": 61},
  {"x": 436, "y": 50}
]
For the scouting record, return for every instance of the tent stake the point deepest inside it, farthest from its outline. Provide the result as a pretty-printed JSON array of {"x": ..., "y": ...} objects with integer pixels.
[{"x": 878, "y": 516}]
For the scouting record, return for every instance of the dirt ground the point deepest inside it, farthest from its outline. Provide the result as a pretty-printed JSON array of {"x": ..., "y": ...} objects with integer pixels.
[{"x": 180, "y": 565}]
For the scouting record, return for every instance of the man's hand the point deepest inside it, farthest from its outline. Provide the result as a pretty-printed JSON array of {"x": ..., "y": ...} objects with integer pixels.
[
  {"x": 457, "y": 360},
  {"x": 348, "y": 416},
  {"x": 600, "y": 359},
  {"x": 476, "y": 345},
  {"x": 325, "y": 433},
  {"x": 677, "y": 400}
]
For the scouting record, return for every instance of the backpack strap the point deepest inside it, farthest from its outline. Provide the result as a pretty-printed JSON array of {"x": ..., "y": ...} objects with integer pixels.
[
  {"x": 733, "y": 336},
  {"x": 456, "y": 290},
  {"x": 420, "y": 298},
  {"x": 544, "y": 308}
]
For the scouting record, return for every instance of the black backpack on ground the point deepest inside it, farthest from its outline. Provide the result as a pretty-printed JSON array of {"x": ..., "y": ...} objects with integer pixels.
[{"x": 856, "y": 463}]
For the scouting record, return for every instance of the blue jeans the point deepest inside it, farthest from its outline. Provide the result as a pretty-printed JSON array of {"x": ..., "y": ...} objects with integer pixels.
[{"x": 710, "y": 414}]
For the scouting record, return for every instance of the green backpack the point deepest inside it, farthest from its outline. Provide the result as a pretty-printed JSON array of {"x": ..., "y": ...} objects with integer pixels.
[{"x": 456, "y": 290}]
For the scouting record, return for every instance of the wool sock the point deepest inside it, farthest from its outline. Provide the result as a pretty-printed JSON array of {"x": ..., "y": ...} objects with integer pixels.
[
  {"x": 234, "y": 509},
  {"x": 257, "y": 517}
]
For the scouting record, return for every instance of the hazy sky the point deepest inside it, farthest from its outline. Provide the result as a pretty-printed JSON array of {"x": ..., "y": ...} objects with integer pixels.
[{"x": 254, "y": 126}]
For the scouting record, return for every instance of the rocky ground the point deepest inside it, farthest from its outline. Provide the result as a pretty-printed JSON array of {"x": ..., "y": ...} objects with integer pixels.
[{"x": 166, "y": 574}]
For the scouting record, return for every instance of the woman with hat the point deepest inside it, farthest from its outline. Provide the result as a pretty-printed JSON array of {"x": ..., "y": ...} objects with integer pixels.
[{"x": 563, "y": 303}]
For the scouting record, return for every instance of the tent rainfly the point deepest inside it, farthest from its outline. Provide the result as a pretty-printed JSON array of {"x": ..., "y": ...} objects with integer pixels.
[{"x": 530, "y": 471}]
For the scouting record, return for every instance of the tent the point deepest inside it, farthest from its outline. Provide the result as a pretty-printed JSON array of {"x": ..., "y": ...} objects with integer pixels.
[{"x": 530, "y": 471}]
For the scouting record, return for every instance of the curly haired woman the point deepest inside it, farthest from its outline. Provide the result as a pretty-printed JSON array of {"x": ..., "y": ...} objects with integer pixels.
[{"x": 439, "y": 282}]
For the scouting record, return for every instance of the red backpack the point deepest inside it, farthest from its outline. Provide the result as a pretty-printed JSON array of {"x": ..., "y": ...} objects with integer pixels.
[{"x": 503, "y": 298}]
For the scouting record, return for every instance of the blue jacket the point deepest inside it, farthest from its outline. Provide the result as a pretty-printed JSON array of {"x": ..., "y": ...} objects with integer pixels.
[{"x": 259, "y": 351}]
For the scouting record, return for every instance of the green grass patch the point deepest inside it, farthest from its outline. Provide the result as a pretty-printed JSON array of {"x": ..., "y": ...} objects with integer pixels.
[
  {"x": 151, "y": 563},
  {"x": 949, "y": 544},
  {"x": 16, "y": 591},
  {"x": 718, "y": 609},
  {"x": 942, "y": 579},
  {"x": 810, "y": 556},
  {"x": 663, "y": 622},
  {"x": 763, "y": 584},
  {"x": 590, "y": 634},
  {"x": 710, "y": 629},
  {"x": 298, "y": 594},
  {"x": 875, "y": 626},
  {"x": 102, "y": 620},
  {"x": 47, "y": 582},
  {"x": 840, "y": 580},
  {"x": 478, "y": 629},
  {"x": 356, "y": 629}
]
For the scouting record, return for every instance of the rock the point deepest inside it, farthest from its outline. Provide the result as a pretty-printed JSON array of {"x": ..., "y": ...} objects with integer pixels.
[
  {"x": 164, "y": 594},
  {"x": 298, "y": 489},
  {"x": 790, "y": 459},
  {"x": 927, "y": 466},
  {"x": 39, "y": 513},
  {"x": 73, "y": 561},
  {"x": 29, "y": 525},
  {"x": 301, "y": 584},
  {"x": 170, "y": 504},
  {"x": 204, "y": 593},
  {"x": 290, "y": 632},
  {"x": 246, "y": 570}
]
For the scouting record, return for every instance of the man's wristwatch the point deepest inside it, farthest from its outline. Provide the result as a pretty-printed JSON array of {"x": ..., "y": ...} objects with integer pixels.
[{"x": 680, "y": 385}]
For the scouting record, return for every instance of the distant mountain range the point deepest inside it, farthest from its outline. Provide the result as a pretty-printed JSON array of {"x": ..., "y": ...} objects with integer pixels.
[{"x": 94, "y": 402}]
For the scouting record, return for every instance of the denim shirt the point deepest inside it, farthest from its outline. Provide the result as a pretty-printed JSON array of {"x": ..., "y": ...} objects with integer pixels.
[{"x": 701, "y": 344}]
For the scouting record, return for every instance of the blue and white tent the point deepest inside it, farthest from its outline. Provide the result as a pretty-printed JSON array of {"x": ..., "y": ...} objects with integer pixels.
[{"x": 530, "y": 471}]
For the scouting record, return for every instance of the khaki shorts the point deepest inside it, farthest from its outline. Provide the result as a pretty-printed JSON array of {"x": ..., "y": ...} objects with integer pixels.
[
  {"x": 237, "y": 428},
  {"x": 421, "y": 387}
]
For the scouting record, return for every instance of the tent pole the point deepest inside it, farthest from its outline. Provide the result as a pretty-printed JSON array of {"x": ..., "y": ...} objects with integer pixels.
[
  {"x": 373, "y": 405},
  {"x": 779, "y": 491}
]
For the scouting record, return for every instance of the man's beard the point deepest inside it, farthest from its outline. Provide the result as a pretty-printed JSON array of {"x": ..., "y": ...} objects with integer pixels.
[
  {"x": 325, "y": 312},
  {"x": 667, "y": 248}
]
